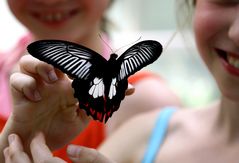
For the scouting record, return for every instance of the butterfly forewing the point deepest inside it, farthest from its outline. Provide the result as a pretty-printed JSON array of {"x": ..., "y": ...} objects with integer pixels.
[
  {"x": 99, "y": 84},
  {"x": 137, "y": 57},
  {"x": 73, "y": 59}
]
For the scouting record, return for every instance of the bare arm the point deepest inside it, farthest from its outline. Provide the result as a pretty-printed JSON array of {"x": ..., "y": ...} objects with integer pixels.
[{"x": 150, "y": 93}]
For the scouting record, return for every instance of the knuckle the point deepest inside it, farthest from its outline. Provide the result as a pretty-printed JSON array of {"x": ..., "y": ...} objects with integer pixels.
[
  {"x": 13, "y": 78},
  {"x": 23, "y": 59},
  {"x": 96, "y": 156}
]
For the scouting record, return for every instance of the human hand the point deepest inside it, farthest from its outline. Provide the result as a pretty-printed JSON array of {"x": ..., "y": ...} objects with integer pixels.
[
  {"x": 79, "y": 154},
  {"x": 43, "y": 101},
  {"x": 130, "y": 90},
  {"x": 41, "y": 153}
]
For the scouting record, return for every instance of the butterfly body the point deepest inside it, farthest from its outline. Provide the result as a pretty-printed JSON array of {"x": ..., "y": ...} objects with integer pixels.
[
  {"x": 99, "y": 85},
  {"x": 101, "y": 90}
]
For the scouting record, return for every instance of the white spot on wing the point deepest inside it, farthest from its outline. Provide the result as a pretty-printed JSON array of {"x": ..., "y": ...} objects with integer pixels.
[
  {"x": 112, "y": 91},
  {"x": 97, "y": 89}
]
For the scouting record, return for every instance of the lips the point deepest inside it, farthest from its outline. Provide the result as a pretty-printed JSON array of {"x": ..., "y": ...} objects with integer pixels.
[
  {"x": 230, "y": 61},
  {"x": 54, "y": 17},
  {"x": 233, "y": 61}
]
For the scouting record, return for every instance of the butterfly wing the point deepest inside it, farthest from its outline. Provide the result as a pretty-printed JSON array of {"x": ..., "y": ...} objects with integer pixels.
[
  {"x": 94, "y": 106},
  {"x": 131, "y": 61},
  {"x": 81, "y": 63},
  {"x": 137, "y": 57},
  {"x": 73, "y": 59},
  {"x": 86, "y": 66}
]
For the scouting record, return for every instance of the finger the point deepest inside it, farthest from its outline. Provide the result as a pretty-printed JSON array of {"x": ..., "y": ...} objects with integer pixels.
[
  {"x": 130, "y": 90},
  {"x": 39, "y": 148},
  {"x": 31, "y": 65},
  {"x": 14, "y": 153},
  {"x": 83, "y": 117},
  {"x": 6, "y": 155},
  {"x": 79, "y": 154},
  {"x": 41, "y": 152},
  {"x": 23, "y": 86}
]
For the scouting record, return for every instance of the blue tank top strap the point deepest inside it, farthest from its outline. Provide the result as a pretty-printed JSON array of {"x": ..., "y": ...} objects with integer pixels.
[{"x": 158, "y": 134}]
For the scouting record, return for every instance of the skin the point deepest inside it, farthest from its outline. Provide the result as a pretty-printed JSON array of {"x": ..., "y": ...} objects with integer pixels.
[
  {"x": 83, "y": 25},
  {"x": 34, "y": 122},
  {"x": 30, "y": 112},
  {"x": 41, "y": 153},
  {"x": 208, "y": 134},
  {"x": 77, "y": 21},
  {"x": 42, "y": 19}
]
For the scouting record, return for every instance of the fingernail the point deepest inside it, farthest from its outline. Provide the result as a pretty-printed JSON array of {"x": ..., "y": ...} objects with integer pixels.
[
  {"x": 37, "y": 95},
  {"x": 130, "y": 86},
  {"x": 52, "y": 76},
  {"x": 73, "y": 150},
  {"x": 11, "y": 138}
]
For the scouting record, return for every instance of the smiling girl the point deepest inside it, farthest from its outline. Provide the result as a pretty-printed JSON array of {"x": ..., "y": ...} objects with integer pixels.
[
  {"x": 209, "y": 134},
  {"x": 79, "y": 21}
]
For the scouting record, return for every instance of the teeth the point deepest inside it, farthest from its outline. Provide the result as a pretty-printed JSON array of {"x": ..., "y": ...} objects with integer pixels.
[
  {"x": 233, "y": 61},
  {"x": 54, "y": 17}
]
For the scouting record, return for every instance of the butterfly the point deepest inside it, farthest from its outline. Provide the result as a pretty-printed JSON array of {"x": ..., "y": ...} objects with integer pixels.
[{"x": 99, "y": 84}]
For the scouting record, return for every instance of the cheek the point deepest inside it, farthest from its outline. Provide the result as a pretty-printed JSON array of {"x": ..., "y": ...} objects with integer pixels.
[
  {"x": 96, "y": 8},
  {"x": 204, "y": 25},
  {"x": 12, "y": 4},
  {"x": 17, "y": 7},
  {"x": 210, "y": 20},
  {"x": 207, "y": 28}
]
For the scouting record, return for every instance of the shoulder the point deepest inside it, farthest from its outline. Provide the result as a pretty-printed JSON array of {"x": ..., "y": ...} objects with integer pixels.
[
  {"x": 153, "y": 88},
  {"x": 184, "y": 129},
  {"x": 129, "y": 138}
]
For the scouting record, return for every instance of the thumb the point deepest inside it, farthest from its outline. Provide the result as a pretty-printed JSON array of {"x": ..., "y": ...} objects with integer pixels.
[
  {"x": 41, "y": 152},
  {"x": 79, "y": 154},
  {"x": 130, "y": 90},
  {"x": 23, "y": 88}
]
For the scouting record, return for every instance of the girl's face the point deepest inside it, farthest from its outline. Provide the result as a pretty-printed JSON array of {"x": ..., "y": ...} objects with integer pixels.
[
  {"x": 216, "y": 26},
  {"x": 71, "y": 20}
]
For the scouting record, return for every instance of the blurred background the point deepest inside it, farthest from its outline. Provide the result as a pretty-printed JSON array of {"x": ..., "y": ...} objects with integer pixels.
[{"x": 179, "y": 63}]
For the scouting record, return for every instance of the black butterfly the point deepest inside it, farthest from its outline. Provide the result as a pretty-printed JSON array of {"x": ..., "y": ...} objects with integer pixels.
[{"x": 99, "y": 84}]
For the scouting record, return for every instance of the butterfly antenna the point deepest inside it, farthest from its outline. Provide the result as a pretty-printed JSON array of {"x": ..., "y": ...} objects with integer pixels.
[
  {"x": 128, "y": 44},
  {"x": 170, "y": 40},
  {"x": 105, "y": 43},
  {"x": 183, "y": 24}
]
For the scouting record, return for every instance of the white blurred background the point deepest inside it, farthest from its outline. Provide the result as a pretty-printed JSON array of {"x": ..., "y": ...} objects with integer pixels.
[{"x": 179, "y": 64}]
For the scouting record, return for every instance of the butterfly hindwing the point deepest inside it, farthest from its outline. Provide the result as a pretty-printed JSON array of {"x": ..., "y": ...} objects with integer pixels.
[
  {"x": 99, "y": 84},
  {"x": 75, "y": 60},
  {"x": 115, "y": 96},
  {"x": 94, "y": 106},
  {"x": 131, "y": 61}
]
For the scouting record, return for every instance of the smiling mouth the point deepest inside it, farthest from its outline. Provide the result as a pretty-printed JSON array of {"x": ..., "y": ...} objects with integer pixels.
[
  {"x": 230, "y": 58},
  {"x": 55, "y": 17}
]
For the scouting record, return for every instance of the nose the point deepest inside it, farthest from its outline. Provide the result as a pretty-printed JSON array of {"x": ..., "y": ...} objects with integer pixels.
[
  {"x": 234, "y": 29},
  {"x": 50, "y": 2}
]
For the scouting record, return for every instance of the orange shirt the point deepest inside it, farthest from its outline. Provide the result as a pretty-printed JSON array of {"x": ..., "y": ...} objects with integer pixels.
[{"x": 94, "y": 134}]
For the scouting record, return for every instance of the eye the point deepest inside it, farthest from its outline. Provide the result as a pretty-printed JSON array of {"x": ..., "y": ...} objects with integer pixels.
[
  {"x": 225, "y": 2},
  {"x": 228, "y": 2}
]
